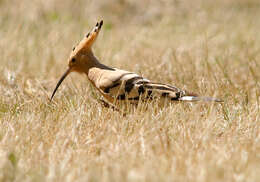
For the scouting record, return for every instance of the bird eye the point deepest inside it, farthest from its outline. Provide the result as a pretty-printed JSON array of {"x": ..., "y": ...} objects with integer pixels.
[{"x": 73, "y": 60}]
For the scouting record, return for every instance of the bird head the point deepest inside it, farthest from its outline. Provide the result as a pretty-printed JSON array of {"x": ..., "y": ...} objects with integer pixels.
[{"x": 81, "y": 57}]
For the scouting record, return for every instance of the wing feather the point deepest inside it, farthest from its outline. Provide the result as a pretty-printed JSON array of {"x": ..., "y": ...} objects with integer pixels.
[{"x": 120, "y": 85}]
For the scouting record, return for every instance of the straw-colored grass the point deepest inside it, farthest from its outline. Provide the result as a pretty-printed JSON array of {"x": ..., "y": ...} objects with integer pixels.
[{"x": 209, "y": 47}]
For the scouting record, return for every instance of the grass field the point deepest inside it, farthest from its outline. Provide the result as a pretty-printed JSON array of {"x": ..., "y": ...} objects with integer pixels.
[{"x": 211, "y": 48}]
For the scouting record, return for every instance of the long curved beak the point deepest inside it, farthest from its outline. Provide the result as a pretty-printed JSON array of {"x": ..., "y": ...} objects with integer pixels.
[{"x": 60, "y": 81}]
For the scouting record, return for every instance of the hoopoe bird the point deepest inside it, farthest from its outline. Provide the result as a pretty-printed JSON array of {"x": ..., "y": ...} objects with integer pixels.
[{"x": 117, "y": 85}]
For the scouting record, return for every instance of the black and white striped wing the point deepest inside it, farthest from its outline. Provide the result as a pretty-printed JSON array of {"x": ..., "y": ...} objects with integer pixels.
[{"x": 132, "y": 87}]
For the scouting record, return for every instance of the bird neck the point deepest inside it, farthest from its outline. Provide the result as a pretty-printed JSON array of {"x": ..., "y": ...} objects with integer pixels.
[{"x": 95, "y": 70}]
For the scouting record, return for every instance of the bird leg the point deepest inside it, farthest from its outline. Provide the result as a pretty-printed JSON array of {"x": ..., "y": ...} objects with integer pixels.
[{"x": 107, "y": 105}]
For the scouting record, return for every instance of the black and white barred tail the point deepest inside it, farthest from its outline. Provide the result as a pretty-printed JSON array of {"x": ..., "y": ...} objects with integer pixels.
[
  {"x": 197, "y": 98},
  {"x": 158, "y": 90}
]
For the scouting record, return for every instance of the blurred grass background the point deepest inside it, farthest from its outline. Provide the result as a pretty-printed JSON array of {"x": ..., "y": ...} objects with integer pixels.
[{"x": 209, "y": 47}]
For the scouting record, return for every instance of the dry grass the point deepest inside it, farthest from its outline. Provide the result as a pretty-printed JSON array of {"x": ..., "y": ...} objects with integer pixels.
[{"x": 212, "y": 48}]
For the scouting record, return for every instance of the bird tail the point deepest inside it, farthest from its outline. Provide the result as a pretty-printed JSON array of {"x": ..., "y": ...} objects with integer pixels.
[
  {"x": 173, "y": 93},
  {"x": 199, "y": 98}
]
